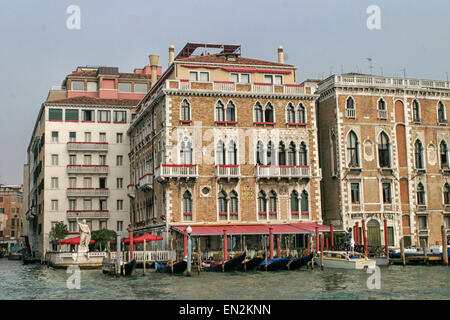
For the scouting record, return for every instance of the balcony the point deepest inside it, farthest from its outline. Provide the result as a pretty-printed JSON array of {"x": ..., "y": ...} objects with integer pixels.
[
  {"x": 176, "y": 171},
  {"x": 228, "y": 171},
  {"x": 382, "y": 114},
  {"x": 88, "y": 214},
  {"x": 268, "y": 171},
  {"x": 146, "y": 182},
  {"x": 88, "y": 169},
  {"x": 350, "y": 113},
  {"x": 87, "y": 192},
  {"x": 87, "y": 146},
  {"x": 131, "y": 191},
  {"x": 421, "y": 171},
  {"x": 224, "y": 86}
]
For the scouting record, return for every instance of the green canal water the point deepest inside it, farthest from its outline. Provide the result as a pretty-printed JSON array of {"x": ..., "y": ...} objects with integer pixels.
[{"x": 19, "y": 281}]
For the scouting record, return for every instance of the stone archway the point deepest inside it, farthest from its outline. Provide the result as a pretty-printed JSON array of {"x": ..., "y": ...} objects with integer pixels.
[{"x": 373, "y": 233}]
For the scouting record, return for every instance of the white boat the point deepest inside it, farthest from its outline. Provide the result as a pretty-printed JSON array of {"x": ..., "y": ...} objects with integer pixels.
[{"x": 345, "y": 260}]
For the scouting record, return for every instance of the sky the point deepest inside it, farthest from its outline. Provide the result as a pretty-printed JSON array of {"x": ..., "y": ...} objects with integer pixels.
[{"x": 320, "y": 37}]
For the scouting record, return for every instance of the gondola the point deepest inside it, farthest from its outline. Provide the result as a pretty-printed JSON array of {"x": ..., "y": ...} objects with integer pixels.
[
  {"x": 273, "y": 264},
  {"x": 130, "y": 267},
  {"x": 297, "y": 263},
  {"x": 229, "y": 265},
  {"x": 250, "y": 264},
  {"x": 178, "y": 267}
]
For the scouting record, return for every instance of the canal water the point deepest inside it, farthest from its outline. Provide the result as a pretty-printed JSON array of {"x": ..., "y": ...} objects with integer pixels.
[{"x": 18, "y": 281}]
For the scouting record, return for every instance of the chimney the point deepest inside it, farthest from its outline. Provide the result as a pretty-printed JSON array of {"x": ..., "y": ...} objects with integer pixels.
[
  {"x": 280, "y": 55},
  {"x": 154, "y": 67},
  {"x": 171, "y": 54}
]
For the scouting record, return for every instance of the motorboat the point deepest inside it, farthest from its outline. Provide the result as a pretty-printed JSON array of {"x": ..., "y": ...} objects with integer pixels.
[{"x": 344, "y": 260}]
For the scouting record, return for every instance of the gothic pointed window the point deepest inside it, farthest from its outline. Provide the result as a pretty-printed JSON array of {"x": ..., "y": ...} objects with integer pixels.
[
  {"x": 231, "y": 112},
  {"x": 234, "y": 205},
  {"x": 352, "y": 150},
  {"x": 272, "y": 202},
  {"x": 294, "y": 203},
  {"x": 290, "y": 113},
  {"x": 271, "y": 153},
  {"x": 223, "y": 211},
  {"x": 185, "y": 110},
  {"x": 281, "y": 154},
  {"x": 220, "y": 111},
  {"x": 441, "y": 112},
  {"x": 291, "y": 154},
  {"x": 303, "y": 158},
  {"x": 258, "y": 112},
  {"x": 384, "y": 151},
  {"x": 220, "y": 153},
  {"x": 262, "y": 205},
  {"x": 268, "y": 113},
  {"x": 444, "y": 154},
  {"x": 186, "y": 152},
  {"x": 418, "y": 153},
  {"x": 305, "y": 203},
  {"x": 416, "y": 110},
  {"x": 447, "y": 194},
  {"x": 232, "y": 153},
  {"x": 420, "y": 194},
  {"x": 187, "y": 205},
  {"x": 259, "y": 153},
  {"x": 301, "y": 113}
]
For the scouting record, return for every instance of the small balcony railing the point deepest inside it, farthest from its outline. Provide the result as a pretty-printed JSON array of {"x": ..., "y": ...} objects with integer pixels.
[
  {"x": 268, "y": 171},
  {"x": 89, "y": 169},
  {"x": 382, "y": 114},
  {"x": 87, "y": 146},
  {"x": 350, "y": 113},
  {"x": 88, "y": 214},
  {"x": 146, "y": 181},
  {"x": 262, "y": 88},
  {"x": 176, "y": 171},
  {"x": 87, "y": 192},
  {"x": 224, "y": 86},
  {"x": 228, "y": 171}
]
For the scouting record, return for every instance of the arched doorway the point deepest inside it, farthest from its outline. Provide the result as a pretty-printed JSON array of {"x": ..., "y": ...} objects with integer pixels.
[{"x": 373, "y": 233}]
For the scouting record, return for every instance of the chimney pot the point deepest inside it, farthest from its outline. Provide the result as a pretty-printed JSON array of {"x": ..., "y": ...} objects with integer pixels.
[
  {"x": 154, "y": 58},
  {"x": 280, "y": 54},
  {"x": 171, "y": 54}
]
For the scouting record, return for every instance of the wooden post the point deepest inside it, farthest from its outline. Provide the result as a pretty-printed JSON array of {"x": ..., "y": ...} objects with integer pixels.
[
  {"x": 326, "y": 241},
  {"x": 444, "y": 246},
  {"x": 145, "y": 253},
  {"x": 131, "y": 244},
  {"x": 321, "y": 251},
  {"x": 265, "y": 250},
  {"x": 357, "y": 233},
  {"x": 199, "y": 255},
  {"x": 317, "y": 239},
  {"x": 171, "y": 256},
  {"x": 386, "y": 239},
  {"x": 364, "y": 237},
  {"x": 271, "y": 242},
  {"x": 309, "y": 244},
  {"x": 225, "y": 249},
  {"x": 402, "y": 250},
  {"x": 185, "y": 244},
  {"x": 279, "y": 246},
  {"x": 332, "y": 236}
]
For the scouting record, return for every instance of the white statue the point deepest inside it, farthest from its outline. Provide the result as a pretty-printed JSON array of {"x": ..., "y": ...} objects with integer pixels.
[{"x": 85, "y": 236}]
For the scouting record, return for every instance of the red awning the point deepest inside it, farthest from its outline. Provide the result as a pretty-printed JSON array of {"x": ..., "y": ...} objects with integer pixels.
[
  {"x": 72, "y": 241},
  {"x": 256, "y": 229},
  {"x": 147, "y": 237}
]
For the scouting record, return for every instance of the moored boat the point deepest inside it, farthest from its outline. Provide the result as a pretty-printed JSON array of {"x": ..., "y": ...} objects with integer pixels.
[
  {"x": 177, "y": 267},
  {"x": 229, "y": 265},
  {"x": 345, "y": 260},
  {"x": 250, "y": 264},
  {"x": 130, "y": 267},
  {"x": 273, "y": 264},
  {"x": 297, "y": 263}
]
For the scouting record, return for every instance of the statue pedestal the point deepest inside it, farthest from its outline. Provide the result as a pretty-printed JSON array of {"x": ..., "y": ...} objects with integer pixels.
[{"x": 81, "y": 257}]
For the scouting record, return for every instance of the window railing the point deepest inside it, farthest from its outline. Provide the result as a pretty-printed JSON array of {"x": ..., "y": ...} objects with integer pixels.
[
  {"x": 87, "y": 146},
  {"x": 268, "y": 171},
  {"x": 226, "y": 171},
  {"x": 382, "y": 114},
  {"x": 176, "y": 171},
  {"x": 100, "y": 169},
  {"x": 87, "y": 192},
  {"x": 350, "y": 113}
]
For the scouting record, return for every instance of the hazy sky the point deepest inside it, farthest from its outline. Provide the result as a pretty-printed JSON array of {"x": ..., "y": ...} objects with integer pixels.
[{"x": 320, "y": 37}]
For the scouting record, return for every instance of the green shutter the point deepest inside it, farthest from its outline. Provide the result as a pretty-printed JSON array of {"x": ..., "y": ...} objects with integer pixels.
[
  {"x": 71, "y": 115},
  {"x": 55, "y": 114}
]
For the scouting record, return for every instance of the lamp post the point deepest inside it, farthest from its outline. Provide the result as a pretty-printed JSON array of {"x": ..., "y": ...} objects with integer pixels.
[{"x": 189, "y": 251}]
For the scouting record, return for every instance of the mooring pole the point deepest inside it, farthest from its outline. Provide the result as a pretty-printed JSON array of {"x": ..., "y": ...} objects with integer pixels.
[
  {"x": 271, "y": 242},
  {"x": 317, "y": 239},
  {"x": 199, "y": 255},
  {"x": 402, "y": 250},
  {"x": 444, "y": 246},
  {"x": 386, "y": 239},
  {"x": 321, "y": 251},
  {"x": 118, "y": 254},
  {"x": 332, "y": 236},
  {"x": 309, "y": 244},
  {"x": 185, "y": 244},
  {"x": 357, "y": 233},
  {"x": 364, "y": 237},
  {"x": 171, "y": 255}
]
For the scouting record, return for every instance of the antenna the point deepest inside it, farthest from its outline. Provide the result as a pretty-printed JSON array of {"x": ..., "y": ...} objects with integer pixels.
[
  {"x": 370, "y": 64},
  {"x": 404, "y": 72}
]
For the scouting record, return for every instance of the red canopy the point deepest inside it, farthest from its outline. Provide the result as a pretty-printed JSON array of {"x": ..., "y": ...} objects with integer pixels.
[
  {"x": 147, "y": 237},
  {"x": 73, "y": 241}
]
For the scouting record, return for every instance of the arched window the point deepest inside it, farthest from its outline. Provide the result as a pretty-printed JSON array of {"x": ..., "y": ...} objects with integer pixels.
[
  {"x": 259, "y": 153},
  {"x": 258, "y": 110},
  {"x": 301, "y": 113},
  {"x": 232, "y": 153},
  {"x": 350, "y": 103},
  {"x": 444, "y": 155},
  {"x": 294, "y": 203},
  {"x": 305, "y": 205},
  {"x": 281, "y": 154},
  {"x": 187, "y": 203},
  {"x": 268, "y": 113},
  {"x": 303, "y": 159},
  {"x": 350, "y": 108},
  {"x": 186, "y": 152},
  {"x": 418, "y": 154},
  {"x": 234, "y": 204},
  {"x": 272, "y": 203},
  {"x": 290, "y": 113},
  {"x": 384, "y": 151},
  {"x": 420, "y": 194},
  {"x": 416, "y": 110},
  {"x": 441, "y": 112},
  {"x": 220, "y": 152},
  {"x": 271, "y": 153},
  {"x": 291, "y": 154},
  {"x": 446, "y": 193},
  {"x": 223, "y": 211},
  {"x": 381, "y": 104},
  {"x": 262, "y": 205},
  {"x": 185, "y": 110},
  {"x": 231, "y": 111},
  {"x": 220, "y": 111},
  {"x": 352, "y": 150}
]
